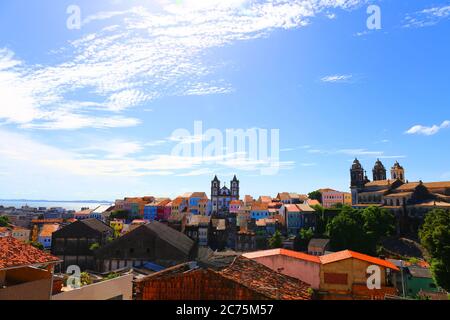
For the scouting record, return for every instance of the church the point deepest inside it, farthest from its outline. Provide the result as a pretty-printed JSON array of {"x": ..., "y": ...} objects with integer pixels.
[
  {"x": 222, "y": 196},
  {"x": 409, "y": 201}
]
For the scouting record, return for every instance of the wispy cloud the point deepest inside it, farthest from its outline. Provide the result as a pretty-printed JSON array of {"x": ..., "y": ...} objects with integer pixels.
[
  {"x": 337, "y": 78},
  {"x": 428, "y": 131},
  {"x": 427, "y": 17},
  {"x": 139, "y": 55}
]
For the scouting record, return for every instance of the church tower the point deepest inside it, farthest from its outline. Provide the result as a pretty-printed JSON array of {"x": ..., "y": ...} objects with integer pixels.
[
  {"x": 234, "y": 189},
  {"x": 357, "y": 175},
  {"x": 358, "y": 180},
  {"x": 215, "y": 190},
  {"x": 379, "y": 171},
  {"x": 398, "y": 172}
]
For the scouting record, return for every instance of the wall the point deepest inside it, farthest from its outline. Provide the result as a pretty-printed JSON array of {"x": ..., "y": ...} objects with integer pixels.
[
  {"x": 356, "y": 271},
  {"x": 303, "y": 270},
  {"x": 195, "y": 285},
  {"x": 105, "y": 290},
  {"x": 32, "y": 284}
]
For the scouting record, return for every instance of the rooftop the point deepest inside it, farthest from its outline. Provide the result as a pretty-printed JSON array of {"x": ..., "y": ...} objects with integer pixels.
[
  {"x": 265, "y": 281},
  {"x": 15, "y": 254}
]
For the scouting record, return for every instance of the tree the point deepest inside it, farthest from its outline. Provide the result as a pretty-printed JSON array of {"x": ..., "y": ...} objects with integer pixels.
[
  {"x": 120, "y": 214},
  {"x": 37, "y": 245},
  {"x": 378, "y": 223},
  {"x": 315, "y": 195},
  {"x": 4, "y": 221},
  {"x": 435, "y": 237},
  {"x": 94, "y": 246},
  {"x": 276, "y": 241},
  {"x": 346, "y": 231},
  {"x": 302, "y": 240}
]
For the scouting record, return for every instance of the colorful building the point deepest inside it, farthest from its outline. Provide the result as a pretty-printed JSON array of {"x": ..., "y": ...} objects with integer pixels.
[
  {"x": 259, "y": 211},
  {"x": 45, "y": 234},
  {"x": 337, "y": 276}
]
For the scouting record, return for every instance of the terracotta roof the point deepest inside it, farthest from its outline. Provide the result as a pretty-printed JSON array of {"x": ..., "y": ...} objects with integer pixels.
[
  {"x": 260, "y": 206},
  {"x": 347, "y": 254},
  {"x": 292, "y": 208},
  {"x": 399, "y": 195},
  {"x": 433, "y": 185},
  {"x": 305, "y": 208},
  {"x": 48, "y": 229},
  {"x": 178, "y": 201},
  {"x": 265, "y": 199},
  {"x": 265, "y": 281},
  {"x": 236, "y": 202},
  {"x": 14, "y": 254},
  {"x": 379, "y": 183},
  {"x": 283, "y": 252},
  {"x": 248, "y": 198},
  {"x": 433, "y": 204},
  {"x": 314, "y": 202}
]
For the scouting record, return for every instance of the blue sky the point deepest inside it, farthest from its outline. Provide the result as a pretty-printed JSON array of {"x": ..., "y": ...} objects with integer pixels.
[{"x": 88, "y": 113}]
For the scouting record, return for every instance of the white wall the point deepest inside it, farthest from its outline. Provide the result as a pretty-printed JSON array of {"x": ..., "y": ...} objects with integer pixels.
[{"x": 105, "y": 290}]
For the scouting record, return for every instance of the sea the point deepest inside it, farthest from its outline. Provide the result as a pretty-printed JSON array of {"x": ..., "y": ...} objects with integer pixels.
[{"x": 68, "y": 205}]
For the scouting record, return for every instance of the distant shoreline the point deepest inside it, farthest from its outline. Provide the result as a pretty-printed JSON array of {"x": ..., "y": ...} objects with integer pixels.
[{"x": 57, "y": 201}]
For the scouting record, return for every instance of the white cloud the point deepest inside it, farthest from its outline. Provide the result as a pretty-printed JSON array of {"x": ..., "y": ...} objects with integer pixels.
[
  {"x": 428, "y": 131},
  {"x": 337, "y": 78},
  {"x": 140, "y": 55},
  {"x": 113, "y": 159},
  {"x": 427, "y": 17}
]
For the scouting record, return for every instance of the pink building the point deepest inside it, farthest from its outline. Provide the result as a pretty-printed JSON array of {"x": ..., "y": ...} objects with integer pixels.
[
  {"x": 294, "y": 264},
  {"x": 332, "y": 198},
  {"x": 235, "y": 206}
]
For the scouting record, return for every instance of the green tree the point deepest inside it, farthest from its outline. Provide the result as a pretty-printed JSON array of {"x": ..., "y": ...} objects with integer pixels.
[
  {"x": 37, "y": 245},
  {"x": 435, "y": 237},
  {"x": 346, "y": 231},
  {"x": 4, "y": 221},
  {"x": 85, "y": 279},
  {"x": 378, "y": 222},
  {"x": 315, "y": 195},
  {"x": 276, "y": 241},
  {"x": 302, "y": 240},
  {"x": 120, "y": 214},
  {"x": 94, "y": 246}
]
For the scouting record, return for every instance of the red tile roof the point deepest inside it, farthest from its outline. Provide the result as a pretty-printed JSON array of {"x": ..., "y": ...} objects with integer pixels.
[
  {"x": 329, "y": 258},
  {"x": 265, "y": 281},
  {"x": 283, "y": 252},
  {"x": 347, "y": 254},
  {"x": 14, "y": 254}
]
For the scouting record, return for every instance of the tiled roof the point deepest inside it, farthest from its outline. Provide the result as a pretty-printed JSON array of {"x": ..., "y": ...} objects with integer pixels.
[
  {"x": 283, "y": 252},
  {"x": 313, "y": 202},
  {"x": 259, "y": 206},
  {"x": 380, "y": 183},
  {"x": 48, "y": 229},
  {"x": 265, "y": 281},
  {"x": 419, "y": 272},
  {"x": 321, "y": 243},
  {"x": 292, "y": 208},
  {"x": 97, "y": 225},
  {"x": 14, "y": 254},
  {"x": 305, "y": 208},
  {"x": 347, "y": 254}
]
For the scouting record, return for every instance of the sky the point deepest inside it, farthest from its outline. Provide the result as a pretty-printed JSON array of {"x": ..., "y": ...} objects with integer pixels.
[{"x": 92, "y": 94}]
